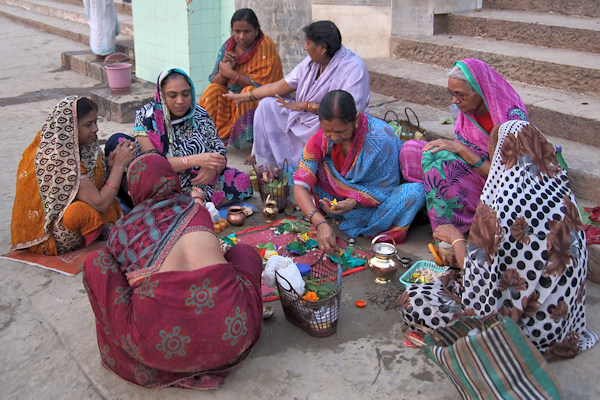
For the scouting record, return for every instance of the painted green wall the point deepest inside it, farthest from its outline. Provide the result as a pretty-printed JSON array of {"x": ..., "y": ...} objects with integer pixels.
[{"x": 175, "y": 34}]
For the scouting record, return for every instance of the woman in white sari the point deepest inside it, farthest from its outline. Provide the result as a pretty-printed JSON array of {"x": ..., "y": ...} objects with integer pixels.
[{"x": 104, "y": 27}]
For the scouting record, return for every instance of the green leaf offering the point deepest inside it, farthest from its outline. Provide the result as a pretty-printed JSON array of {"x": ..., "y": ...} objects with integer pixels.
[
  {"x": 447, "y": 121},
  {"x": 346, "y": 259},
  {"x": 296, "y": 247}
]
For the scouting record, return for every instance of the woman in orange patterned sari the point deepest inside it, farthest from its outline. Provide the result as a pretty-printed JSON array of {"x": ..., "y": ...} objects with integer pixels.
[
  {"x": 247, "y": 60},
  {"x": 64, "y": 194}
]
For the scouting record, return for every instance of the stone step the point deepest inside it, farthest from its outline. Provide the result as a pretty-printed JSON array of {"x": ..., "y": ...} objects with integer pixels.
[
  {"x": 569, "y": 70},
  {"x": 583, "y": 161},
  {"x": 570, "y": 116},
  {"x": 57, "y": 26},
  {"x": 121, "y": 6},
  {"x": 66, "y": 11},
  {"x": 584, "y": 8},
  {"x": 549, "y": 30},
  {"x": 116, "y": 105}
]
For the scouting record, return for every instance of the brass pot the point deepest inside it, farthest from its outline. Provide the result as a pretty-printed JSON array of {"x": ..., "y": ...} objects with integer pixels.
[
  {"x": 383, "y": 261},
  {"x": 270, "y": 209},
  {"x": 236, "y": 216}
]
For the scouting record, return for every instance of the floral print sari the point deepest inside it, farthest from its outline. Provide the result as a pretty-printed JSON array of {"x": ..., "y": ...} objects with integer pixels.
[{"x": 183, "y": 329}]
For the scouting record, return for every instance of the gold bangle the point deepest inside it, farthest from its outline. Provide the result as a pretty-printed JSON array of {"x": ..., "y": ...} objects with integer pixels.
[
  {"x": 252, "y": 96},
  {"x": 458, "y": 240}
]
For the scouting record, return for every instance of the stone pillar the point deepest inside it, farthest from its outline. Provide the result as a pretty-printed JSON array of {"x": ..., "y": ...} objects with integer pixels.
[
  {"x": 282, "y": 21},
  {"x": 172, "y": 33},
  {"x": 411, "y": 17},
  {"x": 365, "y": 25}
]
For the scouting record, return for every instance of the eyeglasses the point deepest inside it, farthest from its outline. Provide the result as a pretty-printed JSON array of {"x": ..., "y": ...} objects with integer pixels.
[{"x": 460, "y": 96}]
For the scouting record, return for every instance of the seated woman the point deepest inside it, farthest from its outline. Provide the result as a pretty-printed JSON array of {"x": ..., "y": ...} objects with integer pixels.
[
  {"x": 170, "y": 309},
  {"x": 64, "y": 194},
  {"x": 183, "y": 132},
  {"x": 247, "y": 60},
  {"x": 354, "y": 160},
  {"x": 281, "y": 126},
  {"x": 525, "y": 256},
  {"x": 454, "y": 171}
]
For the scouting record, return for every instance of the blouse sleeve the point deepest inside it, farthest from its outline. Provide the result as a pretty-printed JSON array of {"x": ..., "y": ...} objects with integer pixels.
[
  {"x": 299, "y": 72},
  {"x": 312, "y": 157},
  {"x": 208, "y": 130},
  {"x": 139, "y": 128}
]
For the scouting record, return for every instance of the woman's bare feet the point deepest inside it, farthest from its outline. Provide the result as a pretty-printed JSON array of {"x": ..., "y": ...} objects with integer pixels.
[{"x": 250, "y": 160}]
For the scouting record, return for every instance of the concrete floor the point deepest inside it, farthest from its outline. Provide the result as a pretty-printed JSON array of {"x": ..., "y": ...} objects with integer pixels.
[{"x": 47, "y": 335}]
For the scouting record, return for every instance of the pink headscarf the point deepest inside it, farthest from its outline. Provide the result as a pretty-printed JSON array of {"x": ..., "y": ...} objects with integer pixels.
[{"x": 501, "y": 100}]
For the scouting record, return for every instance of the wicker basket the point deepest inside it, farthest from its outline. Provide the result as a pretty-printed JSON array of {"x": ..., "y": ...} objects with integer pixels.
[
  {"x": 278, "y": 193},
  {"x": 408, "y": 129},
  {"x": 317, "y": 318}
]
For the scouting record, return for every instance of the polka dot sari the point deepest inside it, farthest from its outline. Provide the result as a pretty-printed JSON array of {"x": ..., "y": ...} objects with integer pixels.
[{"x": 526, "y": 255}]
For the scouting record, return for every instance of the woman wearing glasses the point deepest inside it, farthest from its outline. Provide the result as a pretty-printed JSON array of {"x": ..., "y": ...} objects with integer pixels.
[{"x": 454, "y": 171}]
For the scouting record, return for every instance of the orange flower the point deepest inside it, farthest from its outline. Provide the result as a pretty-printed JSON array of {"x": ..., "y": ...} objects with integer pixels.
[{"x": 310, "y": 296}]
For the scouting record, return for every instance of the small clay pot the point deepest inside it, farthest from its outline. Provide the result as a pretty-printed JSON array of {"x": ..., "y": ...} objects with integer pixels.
[{"x": 236, "y": 216}]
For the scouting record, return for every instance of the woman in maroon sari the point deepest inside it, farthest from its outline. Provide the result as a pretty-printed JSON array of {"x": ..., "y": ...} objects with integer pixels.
[{"x": 171, "y": 309}]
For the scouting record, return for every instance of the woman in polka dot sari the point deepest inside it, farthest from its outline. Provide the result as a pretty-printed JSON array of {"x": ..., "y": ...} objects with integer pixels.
[
  {"x": 171, "y": 309},
  {"x": 525, "y": 255}
]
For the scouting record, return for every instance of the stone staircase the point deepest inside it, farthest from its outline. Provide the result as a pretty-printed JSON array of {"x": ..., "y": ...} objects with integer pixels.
[
  {"x": 548, "y": 50},
  {"x": 67, "y": 18}
]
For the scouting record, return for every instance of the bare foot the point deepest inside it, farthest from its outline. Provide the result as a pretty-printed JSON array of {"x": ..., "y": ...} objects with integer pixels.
[{"x": 250, "y": 160}]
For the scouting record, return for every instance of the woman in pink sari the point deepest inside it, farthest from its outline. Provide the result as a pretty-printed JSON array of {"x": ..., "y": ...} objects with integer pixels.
[
  {"x": 171, "y": 309},
  {"x": 454, "y": 171}
]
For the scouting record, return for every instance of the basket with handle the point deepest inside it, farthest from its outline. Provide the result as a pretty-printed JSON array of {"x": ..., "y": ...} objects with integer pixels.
[
  {"x": 318, "y": 318},
  {"x": 278, "y": 189},
  {"x": 405, "y": 129}
]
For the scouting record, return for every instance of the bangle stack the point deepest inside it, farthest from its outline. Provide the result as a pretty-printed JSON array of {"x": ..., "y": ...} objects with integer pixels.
[
  {"x": 311, "y": 214},
  {"x": 252, "y": 97},
  {"x": 185, "y": 162},
  {"x": 478, "y": 163},
  {"x": 313, "y": 108},
  {"x": 320, "y": 222}
]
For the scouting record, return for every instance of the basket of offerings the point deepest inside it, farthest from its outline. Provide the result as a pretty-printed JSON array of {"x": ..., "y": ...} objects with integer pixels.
[
  {"x": 316, "y": 312},
  {"x": 273, "y": 181},
  {"x": 405, "y": 129},
  {"x": 422, "y": 272}
]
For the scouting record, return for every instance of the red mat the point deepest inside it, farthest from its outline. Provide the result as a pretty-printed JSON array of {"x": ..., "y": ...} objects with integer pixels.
[
  {"x": 68, "y": 264},
  {"x": 263, "y": 234}
]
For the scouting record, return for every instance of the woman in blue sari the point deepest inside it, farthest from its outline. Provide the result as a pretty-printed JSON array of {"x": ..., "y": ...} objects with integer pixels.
[{"x": 350, "y": 170}]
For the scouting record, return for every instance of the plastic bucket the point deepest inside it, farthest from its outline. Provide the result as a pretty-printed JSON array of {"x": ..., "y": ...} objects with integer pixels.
[{"x": 119, "y": 73}]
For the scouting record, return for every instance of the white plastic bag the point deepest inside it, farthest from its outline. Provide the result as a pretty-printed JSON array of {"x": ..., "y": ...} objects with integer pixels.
[
  {"x": 214, "y": 213},
  {"x": 286, "y": 267}
]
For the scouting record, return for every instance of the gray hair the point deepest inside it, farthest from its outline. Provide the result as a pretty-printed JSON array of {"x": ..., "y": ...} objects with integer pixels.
[{"x": 457, "y": 73}]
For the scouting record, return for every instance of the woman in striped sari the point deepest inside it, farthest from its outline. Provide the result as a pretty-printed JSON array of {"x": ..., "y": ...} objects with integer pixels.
[{"x": 247, "y": 60}]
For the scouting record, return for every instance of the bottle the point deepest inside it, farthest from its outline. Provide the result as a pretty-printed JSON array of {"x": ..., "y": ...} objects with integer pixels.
[
  {"x": 454, "y": 112},
  {"x": 559, "y": 157}
]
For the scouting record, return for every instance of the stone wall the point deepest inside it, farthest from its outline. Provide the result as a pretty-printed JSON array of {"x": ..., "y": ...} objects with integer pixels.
[{"x": 283, "y": 21}]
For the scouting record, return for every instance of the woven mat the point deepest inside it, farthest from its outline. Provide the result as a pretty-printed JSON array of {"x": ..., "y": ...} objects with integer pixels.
[
  {"x": 68, "y": 264},
  {"x": 263, "y": 234}
]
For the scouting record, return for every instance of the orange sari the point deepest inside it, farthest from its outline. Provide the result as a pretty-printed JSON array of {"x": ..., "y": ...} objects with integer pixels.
[
  {"x": 235, "y": 123},
  {"x": 46, "y": 218}
]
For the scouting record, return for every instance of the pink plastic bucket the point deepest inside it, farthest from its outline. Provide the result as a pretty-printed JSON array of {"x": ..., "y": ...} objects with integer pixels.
[{"x": 118, "y": 74}]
